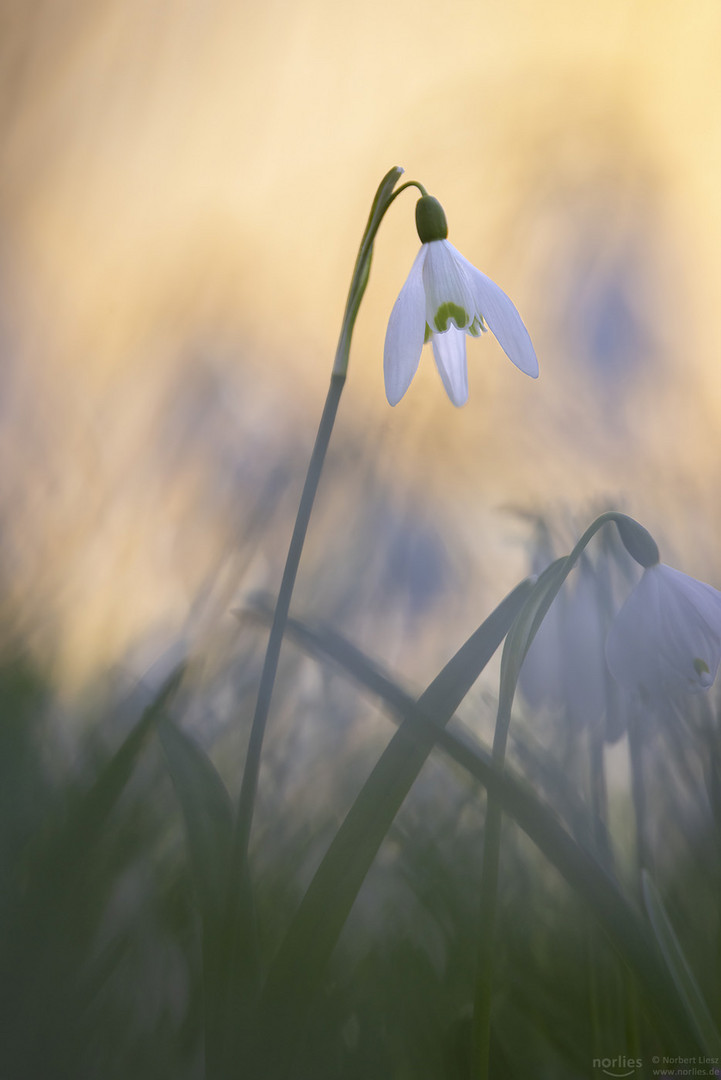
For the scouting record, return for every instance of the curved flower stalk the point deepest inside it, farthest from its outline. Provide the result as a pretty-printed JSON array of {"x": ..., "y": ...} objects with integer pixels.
[
  {"x": 445, "y": 298},
  {"x": 666, "y": 639}
]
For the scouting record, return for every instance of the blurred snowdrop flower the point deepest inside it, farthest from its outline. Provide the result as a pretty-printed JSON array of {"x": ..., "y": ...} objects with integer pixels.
[
  {"x": 565, "y": 665},
  {"x": 445, "y": 298},
  {"x": 666, "y": 639}
]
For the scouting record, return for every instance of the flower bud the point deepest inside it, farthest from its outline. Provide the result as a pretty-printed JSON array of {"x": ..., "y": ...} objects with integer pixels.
[
  {"x": 637, "y": 541},
  {"x": 430, "y": 220}
]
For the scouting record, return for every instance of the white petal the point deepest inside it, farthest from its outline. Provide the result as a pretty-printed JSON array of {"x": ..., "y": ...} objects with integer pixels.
[
  {"x": 632, "y": 645},
  {"x": 503, "y": 319},
  {"x": 449, "y": 293},
  {"x": 405, "y": 333},
  {"x": 585, "y": 667},
  {"x": 541, "y": 678},
  {"x": 449, "y": 350},
  {"x": 666, "y": 639},
  {"x": 691, "y": 625},
  {"x": 705, "y": 599}
]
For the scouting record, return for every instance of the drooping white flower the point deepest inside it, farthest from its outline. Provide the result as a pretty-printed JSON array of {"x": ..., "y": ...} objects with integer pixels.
[
  {"x": 443, "y": 299},
  {"x": 666, "y": 639}
]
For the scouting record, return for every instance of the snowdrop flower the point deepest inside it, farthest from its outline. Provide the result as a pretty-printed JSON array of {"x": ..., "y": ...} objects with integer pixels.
[
  {"x": 666, "y": 639},
  {"x": 445, "y": 298}
]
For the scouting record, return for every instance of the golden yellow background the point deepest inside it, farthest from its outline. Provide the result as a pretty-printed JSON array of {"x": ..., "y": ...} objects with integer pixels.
[{"x": 182, "y": 190}]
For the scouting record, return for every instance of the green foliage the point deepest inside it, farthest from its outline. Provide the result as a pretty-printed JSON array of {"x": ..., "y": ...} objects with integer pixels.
[
  {"x": 680, "y": 969},
  {"x": 119, "y": 935},
  {"x": 74, "y": 841}
]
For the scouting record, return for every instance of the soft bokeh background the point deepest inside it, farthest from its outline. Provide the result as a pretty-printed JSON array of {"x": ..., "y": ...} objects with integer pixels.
[
  {"x": 183, "y": 187},
  {"x": 182, "y": 191}
]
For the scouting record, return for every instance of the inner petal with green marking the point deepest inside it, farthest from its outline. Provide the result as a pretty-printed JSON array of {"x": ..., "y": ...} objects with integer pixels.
[
  {"x": 701, "y": 667},
  {"x": 477, "y": 327},
  {"x": 449, "y": 312}
]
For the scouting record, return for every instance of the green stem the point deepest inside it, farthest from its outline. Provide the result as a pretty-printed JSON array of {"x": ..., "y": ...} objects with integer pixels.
[
  {"x": 270, "y": 666},
  {"x": 359, "y": 280},
  {"x": 242, "y": 965},
  {"x": 383, "y": 199},
  {"x": 481, "y": 1048},
  {"x": 638, "y": 795},
  {"x": 242, "y": 977}
]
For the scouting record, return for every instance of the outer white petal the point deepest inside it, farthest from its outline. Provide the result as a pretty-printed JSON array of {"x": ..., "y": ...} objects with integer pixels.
[
  {"x": 405, "y": 333},
  {"x": 503, "y": 319},
  {"x": 632, "y": 645},
  {"x": 449, "y": 350},
  {"x": 669, "y": 624},
  {"x": 705, "y": 599},
  {"x": 446, "y": 281},
  {"x": 691, "y": 624},
  {"x": 541, "y": 680}
]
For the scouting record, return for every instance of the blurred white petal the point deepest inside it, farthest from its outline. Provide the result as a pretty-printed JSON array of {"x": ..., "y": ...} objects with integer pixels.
[{"x": 666, "y": 639}]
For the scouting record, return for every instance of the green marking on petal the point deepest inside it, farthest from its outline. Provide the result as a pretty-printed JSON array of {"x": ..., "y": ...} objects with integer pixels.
[
  {"x": 428, "y": 335},
  {"x": 477, "y": 327},
  {"x": 450, "y": 312},
  {"x": 701, "y": 667}
]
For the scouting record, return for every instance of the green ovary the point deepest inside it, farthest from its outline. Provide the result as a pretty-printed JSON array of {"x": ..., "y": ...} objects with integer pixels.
[{"x": 450, "y": 312}]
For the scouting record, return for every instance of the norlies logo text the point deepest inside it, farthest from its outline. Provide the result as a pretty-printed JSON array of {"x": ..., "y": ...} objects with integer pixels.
[{"x": 621, "y": 1066}]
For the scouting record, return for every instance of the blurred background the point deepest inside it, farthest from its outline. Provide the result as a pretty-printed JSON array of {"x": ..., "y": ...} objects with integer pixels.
[
  {"x": 183, "y": 188},
  {"x": 182, "y": 191}
]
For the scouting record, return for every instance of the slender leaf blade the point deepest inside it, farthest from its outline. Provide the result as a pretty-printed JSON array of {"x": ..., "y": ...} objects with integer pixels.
[
  {"x": 679, "y": 967},
  {"x": 574, "y": 860},
  {"x": 296, "y": 972},
  {"x": 207, "y": 811}
]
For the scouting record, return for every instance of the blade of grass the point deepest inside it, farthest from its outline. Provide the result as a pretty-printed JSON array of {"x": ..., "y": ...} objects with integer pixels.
[
  {"x": 90, "y": 814},
  {"x": 207, "y": 811},
  {"x": 680, "y": 969},
  {"x": 295, "y": 974},
  {"x": 53, "y": 908},
  {"x": 584, "y": 873}
]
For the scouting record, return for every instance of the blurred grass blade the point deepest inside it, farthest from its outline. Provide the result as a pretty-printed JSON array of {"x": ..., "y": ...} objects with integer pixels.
[
  {"x": 296, "y": 972},
  {"x": 620, "y": 920},
  {"x": 53, "y": 903},
  {"x": 515, "y": 648},
  {"x": 582, "y": 871},
  {"x": 91, "y": 812},
  {"x": 679, "y": 968},
  {"x": 207, "y": 812}
]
